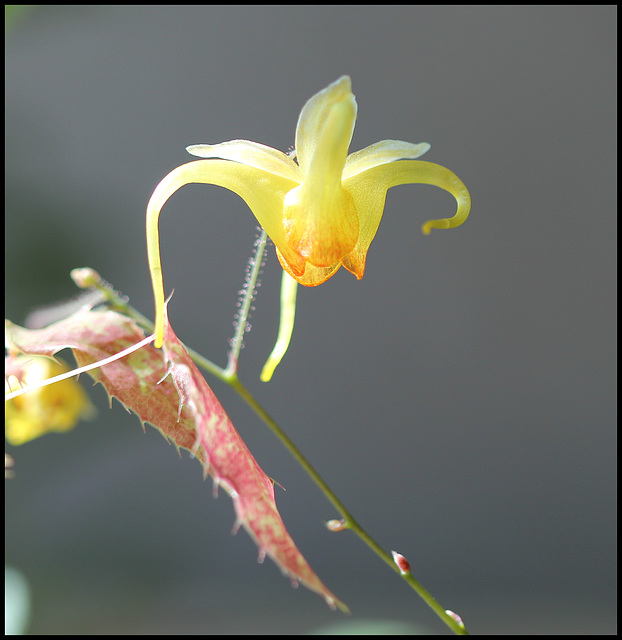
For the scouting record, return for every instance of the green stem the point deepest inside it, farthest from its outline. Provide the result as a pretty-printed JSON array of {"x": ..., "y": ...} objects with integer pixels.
[
  {"x": 349, "y": 520},
  {"x": 229, "y": 375}
]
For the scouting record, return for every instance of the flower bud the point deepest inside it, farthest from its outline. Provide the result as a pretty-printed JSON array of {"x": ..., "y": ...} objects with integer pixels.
[
  {"x": 336, "y": 525},
  {"x": 455, "y": 616},
  {"x": 402, "y": 564},
  {"x": 85, "y": 277}
]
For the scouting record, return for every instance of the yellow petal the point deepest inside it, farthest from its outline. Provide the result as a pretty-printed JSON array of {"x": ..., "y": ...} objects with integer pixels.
[
  {"x": 321, "y": 226},
  {"x": 314, "y": 114},
  {"x": 252, "y": 154},
  {"x": 263, "y": 192},
  {"x": 320, "y": 220},
  {"x": 382, "y": 152},
  {"x": 368, "y": 190},
  {"x": 369, "y": 196},
  {"x": 309, "y": 275},
  {"x": 420, "y": 172}
]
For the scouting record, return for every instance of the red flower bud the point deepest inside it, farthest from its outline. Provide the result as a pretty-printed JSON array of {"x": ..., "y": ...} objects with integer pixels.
[{"x": 402, "y": 564}]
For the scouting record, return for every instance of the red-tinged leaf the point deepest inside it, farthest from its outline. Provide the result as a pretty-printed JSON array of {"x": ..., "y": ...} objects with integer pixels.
[{"x": 166, "y": 389}]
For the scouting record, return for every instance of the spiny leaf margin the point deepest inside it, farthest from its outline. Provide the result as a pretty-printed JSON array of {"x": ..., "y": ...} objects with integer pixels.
[{"x": 171, "y": 394}]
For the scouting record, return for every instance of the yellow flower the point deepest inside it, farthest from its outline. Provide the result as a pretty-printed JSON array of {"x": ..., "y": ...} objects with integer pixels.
[
  {"x": 321, "y": 210},
  {"x": 56, "y": 407}
]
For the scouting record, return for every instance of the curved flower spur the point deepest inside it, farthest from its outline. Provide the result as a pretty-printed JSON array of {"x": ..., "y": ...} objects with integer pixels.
[{"x": 320, "y": 206}]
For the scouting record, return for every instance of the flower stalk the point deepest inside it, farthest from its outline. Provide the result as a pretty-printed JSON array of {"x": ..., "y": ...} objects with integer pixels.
[{"x": 248, "y": 295}]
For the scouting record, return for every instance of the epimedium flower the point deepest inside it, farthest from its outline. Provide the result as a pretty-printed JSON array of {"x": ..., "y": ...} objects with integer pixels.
[{"x": 320, "y": 206}]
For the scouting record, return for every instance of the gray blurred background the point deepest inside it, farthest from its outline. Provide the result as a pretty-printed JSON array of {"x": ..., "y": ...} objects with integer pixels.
[{"x": 460, "y": 399}]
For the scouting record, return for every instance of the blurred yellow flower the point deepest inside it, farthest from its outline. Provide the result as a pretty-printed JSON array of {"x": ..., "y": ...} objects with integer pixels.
[{"x": 56, "y": 407}]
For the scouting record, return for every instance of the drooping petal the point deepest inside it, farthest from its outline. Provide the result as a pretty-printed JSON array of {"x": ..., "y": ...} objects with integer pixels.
[
  {"x": 314, "y": 114},
  {"x": 289, "y": 288},
  {"x": 262, "y": 191},
  {"x": 252, "y": 154},
  {"x": 369, "y": 188},
  {"x": 381, "y": 153}
]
